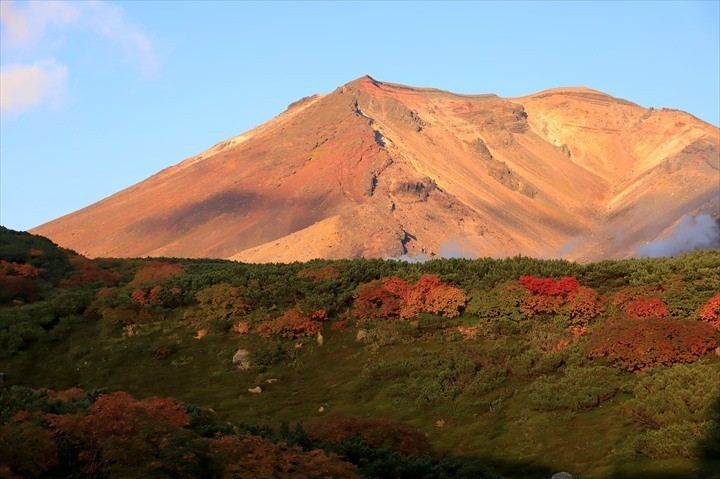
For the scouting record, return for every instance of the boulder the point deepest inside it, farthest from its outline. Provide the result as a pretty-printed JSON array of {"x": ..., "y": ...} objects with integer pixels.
[
  {"x": 255, "y": 390},
  {"x": 362, "y": 334},
  {"x": 241, "y": 359},
  {"x": 561, "y": 475}
]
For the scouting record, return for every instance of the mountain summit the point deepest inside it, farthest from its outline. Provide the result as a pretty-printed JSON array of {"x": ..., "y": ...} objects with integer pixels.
[{"x": 378, "y": 169}]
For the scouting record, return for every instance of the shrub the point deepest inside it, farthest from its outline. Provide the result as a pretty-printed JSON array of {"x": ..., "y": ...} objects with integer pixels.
[
  {"x": 710, "y": 312},
  {"x": 396, "y": 298},
  {"x": 381, "y": 433},
  {"x": 676, "y": 405},
  {"x": 646, "y": 308},
  {"x": 549, "y": 286},
  {"x": 221, "y": 301},
  {"x": 577, "y": 389},
  {"x": 293, "y": 324},
  {"x": 638, "y": 344},
  {"x": 86, "y": 271},
  {"x": 503, "y": 301},
  {"x": 252, "y": 456},
  {"x": 156, "y": 271},
  {"x": 622, "y": 298},
  {"x": 26, "y": 448},
  {"x": 583, "y": 305}
]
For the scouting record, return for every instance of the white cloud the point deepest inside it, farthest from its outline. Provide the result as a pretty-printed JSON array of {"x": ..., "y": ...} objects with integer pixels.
[
  {"x": 29, "y": 30},
  {"x": 23, "y": 87}
]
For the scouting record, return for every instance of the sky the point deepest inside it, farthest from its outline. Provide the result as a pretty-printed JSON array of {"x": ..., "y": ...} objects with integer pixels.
[{"x": 97, "y": 96}]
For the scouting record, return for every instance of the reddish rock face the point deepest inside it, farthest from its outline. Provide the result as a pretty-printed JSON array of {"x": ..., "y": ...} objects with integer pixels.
[{"x": 379, "y": 170}]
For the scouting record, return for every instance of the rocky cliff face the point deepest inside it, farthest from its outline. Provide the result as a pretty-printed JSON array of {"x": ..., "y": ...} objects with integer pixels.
[{"x": 377, "y": 169}]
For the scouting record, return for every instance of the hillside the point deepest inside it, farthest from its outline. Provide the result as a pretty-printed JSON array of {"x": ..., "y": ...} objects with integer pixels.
[
  {"x": 434, "y": 370},
  {"x": 379, "y": 170}
]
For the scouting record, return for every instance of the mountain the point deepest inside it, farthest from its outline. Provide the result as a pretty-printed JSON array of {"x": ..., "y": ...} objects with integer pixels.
[{"x": 378, "y": 169}]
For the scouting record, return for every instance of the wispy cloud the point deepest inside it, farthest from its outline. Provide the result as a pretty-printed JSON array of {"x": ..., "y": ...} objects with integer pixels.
[
  {"x": 28, "y": 30},
  {"x": 25, "y": 24},
  {"x": 24, "y": 87},
  {"x": 109, "y": 21}
]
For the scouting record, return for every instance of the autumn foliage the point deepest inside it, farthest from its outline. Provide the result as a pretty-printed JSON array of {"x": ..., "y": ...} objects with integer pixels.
[
  {"x": 549, "y": 286},
  {"x": 248, "y": 457},
  {"x": 293, "y": 324},
  {"x": 560, "y": 296},
  {"x": 710, "y": 312},
  {"x": 637, "y": 343},
  {"x": 118, "y": 434},
  {"x": 18, "y": 269},
  {"x": 378, "y": 432},
  {"x": 646, "y": 308},
  {"x": 156, "y": 271},
  {"x": 397, "y": 298},
  {"x": 222, "y": 301},
  {"x": 86, "y": 271}
]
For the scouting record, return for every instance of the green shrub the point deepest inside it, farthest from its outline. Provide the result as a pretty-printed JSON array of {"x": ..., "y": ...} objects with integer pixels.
[
  {"x": 677, "y": 406},
  {"x": 576, "y": 389}
]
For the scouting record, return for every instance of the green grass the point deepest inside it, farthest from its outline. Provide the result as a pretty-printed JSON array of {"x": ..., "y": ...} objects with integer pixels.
[{"x": 496, "y": 428}]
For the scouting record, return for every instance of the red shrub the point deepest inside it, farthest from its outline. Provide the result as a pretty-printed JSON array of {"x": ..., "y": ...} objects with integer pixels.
[
  {"x": 380, "y": 299},
  {"x": 293, "y": 324},
  {"x": 26, "y": 449},
  {"x": 625, "y": 296},
  {"x": 710, "y": 312},
  {"x": 17, "y": 269},
  {"x": 140, "y": 297},
  {"x": 584, "y": 305},
  {"x": 549, "y": 286},
  {"x": 647, "y": 308},
  {"x": 88, "y": 272},
  {"x": 245, "y": 457},
  {"x": 378, "y": 432},
  {"x": 538, "y": 304},
  {"x": 636, "y": 344},
  {"x": 397, "y": 298},
  {"x": 119, "y": 431}
]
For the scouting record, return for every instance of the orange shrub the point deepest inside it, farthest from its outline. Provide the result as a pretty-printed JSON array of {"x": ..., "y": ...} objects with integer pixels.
[
  {"x": 156, "y": 271},
  {"x": 248, "y": 456},
  {"x": 18, "y": 269},
  {"x": 396, "y": 298},
  {"x": 710, "y": 312},
  {"x": 293, "y": 324},
  {"x": 378, "y": 432}
]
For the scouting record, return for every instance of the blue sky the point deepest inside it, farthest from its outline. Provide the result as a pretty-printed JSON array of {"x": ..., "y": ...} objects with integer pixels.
[{"x": 97, "y": 96}]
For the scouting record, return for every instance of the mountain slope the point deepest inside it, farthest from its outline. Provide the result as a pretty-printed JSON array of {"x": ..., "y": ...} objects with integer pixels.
[{"x": 379, "y": 170}]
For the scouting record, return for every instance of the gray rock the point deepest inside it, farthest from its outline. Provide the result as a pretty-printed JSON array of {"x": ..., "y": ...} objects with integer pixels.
[
  {"x": 242, "y": 359},
  {"x": 561, "y": 475}
]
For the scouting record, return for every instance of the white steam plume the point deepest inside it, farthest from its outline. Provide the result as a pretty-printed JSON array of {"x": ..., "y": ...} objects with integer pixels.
[{"x": 691, "y": 233}]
